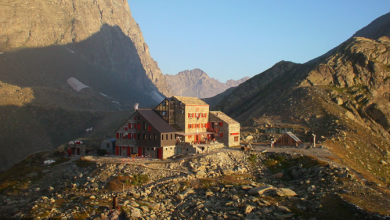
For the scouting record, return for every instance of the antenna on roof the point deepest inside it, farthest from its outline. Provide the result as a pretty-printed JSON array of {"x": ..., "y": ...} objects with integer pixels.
[{"x": 136, "y": 106}]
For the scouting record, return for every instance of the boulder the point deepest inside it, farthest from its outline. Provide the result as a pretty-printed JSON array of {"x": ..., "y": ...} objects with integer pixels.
[
  {"x": 261, "y": 190},
  {"x": 285, "y": 192}
]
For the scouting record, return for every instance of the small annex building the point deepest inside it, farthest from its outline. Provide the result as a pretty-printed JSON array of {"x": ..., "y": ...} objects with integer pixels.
[
  {"x": 288, "y": 139},
  {"x": 178, "y": 125}
]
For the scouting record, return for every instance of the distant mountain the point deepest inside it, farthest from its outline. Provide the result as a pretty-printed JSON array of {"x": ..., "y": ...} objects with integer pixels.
[
  {"x": 343, "y": 97},
  {"x": 48, "y": 49},
  {"x": 196, "y": 83}
]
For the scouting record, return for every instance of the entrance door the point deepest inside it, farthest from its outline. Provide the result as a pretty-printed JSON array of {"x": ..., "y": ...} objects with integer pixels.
[
  {"x": 128, "y": 151},
  {"x": 179, "y": 150},
  {"x": 159, "y": 153},
  {"x": 139, "y": 151},
  {"x": 117, "y": 150}
]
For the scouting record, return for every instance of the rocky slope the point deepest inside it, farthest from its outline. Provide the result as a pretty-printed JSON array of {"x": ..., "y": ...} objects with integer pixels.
[
  {"x": 45, "y": 44},
  {"x": 342, "y": 98},
  {"x": 224, "y": 185},
  {"x": 198, "y": 84}
]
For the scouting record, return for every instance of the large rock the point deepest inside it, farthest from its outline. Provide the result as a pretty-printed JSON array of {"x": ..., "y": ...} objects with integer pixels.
[
  {"x": 261, "y": 190},
  {"x": 285, "y": 192}
]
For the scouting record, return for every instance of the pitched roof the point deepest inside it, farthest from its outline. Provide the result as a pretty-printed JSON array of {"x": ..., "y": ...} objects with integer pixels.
[
  {"x": 295, "y": 138},
  {"x": 190, "y": 100},
  {"x": 154, "y": 119},
  {"x": 224, "y": 117}
]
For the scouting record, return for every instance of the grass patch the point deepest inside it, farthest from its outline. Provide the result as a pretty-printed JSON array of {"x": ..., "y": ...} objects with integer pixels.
[
  {"x": 278, "y": 163},
  {"x": 252, "y": 158},
  {"x": 371, "y": 203},
  {"x": 82, "y": 163},
  {"x": 127, "y": 182}
]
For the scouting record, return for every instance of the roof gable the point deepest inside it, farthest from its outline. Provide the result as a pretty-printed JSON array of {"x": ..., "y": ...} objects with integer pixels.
[
  {"x": 223, "y": 117},
  {"x": 190, "y": 100},
  {"x": 156, "y": 121}
]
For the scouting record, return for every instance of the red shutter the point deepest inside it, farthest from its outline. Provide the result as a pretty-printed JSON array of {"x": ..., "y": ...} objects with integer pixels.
[
  {"x": 129, "y": 125},
  {"x": 205, "y": 115},
  {"x": 150, "y": 128},
  {"x": 117, "y": 135},
  {"x": 139, "y": 126},
  {"x": 189, "y": 115},
  {"x": 221, "y": 134},
  {"x": 192, "y": 114},
  {"x": 189, "y": 125},
  {"x": 126, "y": 128},
  {"x": 135, "y": 135},
  {"x": 221, "y": 124}
]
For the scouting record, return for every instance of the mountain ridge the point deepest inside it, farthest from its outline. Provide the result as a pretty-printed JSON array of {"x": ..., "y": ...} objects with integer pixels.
[{"x": 198, "y": 83}]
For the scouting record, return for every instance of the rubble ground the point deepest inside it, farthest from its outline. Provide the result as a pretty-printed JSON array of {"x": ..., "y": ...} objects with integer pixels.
[{"x": 229, "y": 184}]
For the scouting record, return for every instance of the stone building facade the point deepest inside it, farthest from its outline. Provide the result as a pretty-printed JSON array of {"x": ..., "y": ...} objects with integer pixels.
[
  {"x": 178, "y": 125},
  {"x": 227, "y": 130}
]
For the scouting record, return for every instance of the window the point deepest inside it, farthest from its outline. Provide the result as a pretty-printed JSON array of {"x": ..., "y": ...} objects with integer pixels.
[
  {"x": 139, "y": 117},
  {"x": 149, "y": 128},
  {"x": 166, "y": 136},
  {"x": 135, "y": 136},
  {"x": 139, "y": 126},
  {"x": 126, "y": 128},
  {"x": 155, "y": 137},
  {"x": 150, "y": 137},
  {"x": 171, "y": 136},
  {"x": 221, "y": 124},
  {"x": 139, "y": 136},
  {"x": 144, "y": 136},
  {"x": 144, "y": 125},
  {"x": 108, "y": 145},
  {"x": 162, "y": 137},
  {"x": 236, "y": 138},
  {"x": 163, "y": 113},
  {"x": 189, "y": 136},
  {"x": 196, "y": 115},
  {"x": 135, "y": 117}
]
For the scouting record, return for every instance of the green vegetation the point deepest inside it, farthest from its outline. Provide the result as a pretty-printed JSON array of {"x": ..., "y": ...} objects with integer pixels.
[
  {"x": 252, "y": 158},
  {"x": 139, "y": 179}
]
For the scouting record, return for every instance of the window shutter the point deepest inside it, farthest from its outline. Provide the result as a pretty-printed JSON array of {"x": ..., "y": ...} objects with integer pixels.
[
  {"x": 139, "y": 126},
  {"x": 117, "y": 135},
  {"x": 126, "y": 128},
  {"x": 189, "y": 115},
  {"x": 150, "y": 128},
  {"x": 221, "y": 134},
  {"x": 135, "y": 135},
  {"x": 205, "y": 115},
  {"x": 221, "y": 124},
  {"x": 192, "y": 114}
]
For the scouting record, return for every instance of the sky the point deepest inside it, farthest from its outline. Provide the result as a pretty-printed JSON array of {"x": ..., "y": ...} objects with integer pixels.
[{"x": 231, "y": 39}]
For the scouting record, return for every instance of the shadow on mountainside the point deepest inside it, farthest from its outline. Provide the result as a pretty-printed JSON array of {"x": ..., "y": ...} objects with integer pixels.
[{"x": 107, "y": 62}]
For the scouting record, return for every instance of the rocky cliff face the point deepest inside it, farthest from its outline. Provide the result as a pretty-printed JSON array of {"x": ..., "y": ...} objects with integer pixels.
[
  {"x": 45, "y": 43},
  {"x": 198, "y": 83},
  {"x": 101, "y": 31}
]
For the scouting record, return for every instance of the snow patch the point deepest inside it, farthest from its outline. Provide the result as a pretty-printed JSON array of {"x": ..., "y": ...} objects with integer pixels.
[
  {"x": 104, "y": 95},
  {"x": 75, "y": 84},
  {"x": 69, "y": 50}
]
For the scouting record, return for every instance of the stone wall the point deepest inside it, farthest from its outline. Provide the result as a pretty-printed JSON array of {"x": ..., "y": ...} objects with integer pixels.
[
  {"x": 169, "y": 151},
  {"x": 226, "y": 129}
]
